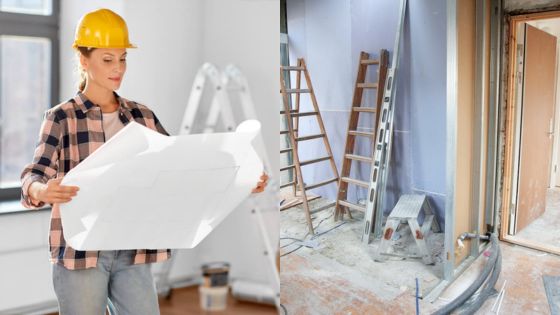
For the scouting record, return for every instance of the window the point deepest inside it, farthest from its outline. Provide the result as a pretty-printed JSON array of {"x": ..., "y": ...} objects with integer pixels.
[{"x": 28, "y": 82}]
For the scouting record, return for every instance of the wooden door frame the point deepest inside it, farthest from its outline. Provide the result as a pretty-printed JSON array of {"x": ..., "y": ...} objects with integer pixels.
[{"x": 508, "y": 176}]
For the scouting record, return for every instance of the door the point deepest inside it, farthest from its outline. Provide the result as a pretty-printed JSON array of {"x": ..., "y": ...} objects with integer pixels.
[{"x": 536, "y": 125}]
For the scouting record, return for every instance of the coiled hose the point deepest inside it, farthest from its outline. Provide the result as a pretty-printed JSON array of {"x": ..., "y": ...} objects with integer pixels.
[{"x": 494, "y": 266}]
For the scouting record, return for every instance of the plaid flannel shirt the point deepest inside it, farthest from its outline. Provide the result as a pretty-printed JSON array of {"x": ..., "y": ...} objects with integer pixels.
[{"x": 70, "y": 132}]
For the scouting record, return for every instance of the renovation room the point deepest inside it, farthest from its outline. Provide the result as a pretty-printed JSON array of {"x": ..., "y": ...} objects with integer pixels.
[
  {"x": 184, "y": 52},
  {"x": 426, "y": 232}
]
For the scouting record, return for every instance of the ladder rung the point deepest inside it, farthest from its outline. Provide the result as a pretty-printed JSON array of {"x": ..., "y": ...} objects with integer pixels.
[
  {"x": 367, "y": 85},
  {"x": 304, "y": 114},
  {"x": 283, "y": 112},
  {"x": 314, "y": 161},
  {"x": 298, "y": 91},
  {"x": 361, "y": 133},
  {"x": 351, "y": 205},
  {"x": 286, "y": 150},
  {"x": 355, "y": 182},
  {"x": 364, "y": 109},
  {"x": 285, "y": 168},
  {"x": 321, "y": 135},
  {"x": 358, "y": 158},
  {"x": 323, "y": 183},
  {"x": 323, "y": 207},
  {"x": 369, "y": 62},
  {"x": 283, "y": 132},
  {"x": 287, "y": 184},
  {"x": 292, "y": 68}
]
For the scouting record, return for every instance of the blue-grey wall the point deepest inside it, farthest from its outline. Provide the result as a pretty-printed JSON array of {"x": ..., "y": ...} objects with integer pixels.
[{"x": 330, "y": 34}]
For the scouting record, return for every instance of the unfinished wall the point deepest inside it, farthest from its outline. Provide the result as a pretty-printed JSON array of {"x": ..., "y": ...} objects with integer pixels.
[{"x": 330, "y": 35}]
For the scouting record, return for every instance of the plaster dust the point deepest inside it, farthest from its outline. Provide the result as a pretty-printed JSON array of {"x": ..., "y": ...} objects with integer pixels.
[
  {"x": 544, "y": 229},
  {"x": 340, "y": 262},
  {"x": 339, "y": 275}
]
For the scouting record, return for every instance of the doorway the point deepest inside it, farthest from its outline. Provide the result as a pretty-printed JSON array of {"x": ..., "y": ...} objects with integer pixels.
[{"x": 531, "y": 200}]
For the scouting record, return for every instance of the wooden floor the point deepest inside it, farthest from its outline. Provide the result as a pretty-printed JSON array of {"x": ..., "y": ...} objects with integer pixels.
[{"x": 186, "y": 301}]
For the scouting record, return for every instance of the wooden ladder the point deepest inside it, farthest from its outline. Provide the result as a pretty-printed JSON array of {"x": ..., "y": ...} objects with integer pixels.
[
  {"x": 342, "y": 204},
  {"x": 292, "y": 115}
]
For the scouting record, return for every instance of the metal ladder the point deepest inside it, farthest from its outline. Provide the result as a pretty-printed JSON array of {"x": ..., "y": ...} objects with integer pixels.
[
  {"x": 384, "y": 138},
  {"x": 342, "y": 204},
  {"x": 293, "y": 133},
  {"x": 223, "y": 84},
  {"x": 408, "y": 210}
]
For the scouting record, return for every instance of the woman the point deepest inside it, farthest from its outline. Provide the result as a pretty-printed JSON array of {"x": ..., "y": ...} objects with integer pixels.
[{"x": 70, "y": 132}]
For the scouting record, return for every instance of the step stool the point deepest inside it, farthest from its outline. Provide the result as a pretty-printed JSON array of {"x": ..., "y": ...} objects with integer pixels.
[{"x": 408, "y": 210}]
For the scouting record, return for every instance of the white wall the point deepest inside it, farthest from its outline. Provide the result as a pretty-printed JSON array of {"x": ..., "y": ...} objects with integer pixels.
[{"x": 174, "y": 38}]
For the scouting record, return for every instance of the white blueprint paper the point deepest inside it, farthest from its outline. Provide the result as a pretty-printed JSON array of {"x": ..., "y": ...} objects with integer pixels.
[{"x": 144, "y": 190}]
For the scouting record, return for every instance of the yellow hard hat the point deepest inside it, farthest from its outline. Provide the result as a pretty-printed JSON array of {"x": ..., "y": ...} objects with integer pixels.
[{"x": 102, "y": 28}]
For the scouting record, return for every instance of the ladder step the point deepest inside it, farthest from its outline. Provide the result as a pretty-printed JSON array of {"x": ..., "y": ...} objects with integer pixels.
[
  {"x": 304, "y": 114},
  {"x": 323, "y": 183},
  {"x": 292, "y": 68},
  {"x": 285, "y": 168},
  {"x": 351, "y": 205},
  {"x": 286, "y": 150},
  {"x": 358, "y": 158},
  {"x": 370, "y": 62},
  {"x": 355, "y": 182},
  {"x": 364, "y": 109},
  {"x": 298, "y": 91},
  {"x": 283, "y": 112},
  {"x": 367, "y": 85},
  {"x": 323, "y": 207},
  {"x": 283, "y": 132},
  {"x": 361, "y": 133},
  {"x": 314, "y": 161},
  {"x": 287, "y": 184},
  {"x": 321, "y": 135}
]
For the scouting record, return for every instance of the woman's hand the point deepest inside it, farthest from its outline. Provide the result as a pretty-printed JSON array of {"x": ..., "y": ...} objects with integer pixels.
[
  {"x": 52, "y": 192},
  {"x": 261, "y": 185}
]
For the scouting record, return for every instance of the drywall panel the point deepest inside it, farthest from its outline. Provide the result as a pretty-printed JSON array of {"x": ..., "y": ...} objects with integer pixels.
[
  {"x": 332, "y": 50},
  {"x": 466, "y": 27}
]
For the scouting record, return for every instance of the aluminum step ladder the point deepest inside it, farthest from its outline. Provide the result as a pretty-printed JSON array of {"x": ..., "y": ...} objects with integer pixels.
[
  {"x": 220, "y": 117},
  {"x": 409, "y": 209}
]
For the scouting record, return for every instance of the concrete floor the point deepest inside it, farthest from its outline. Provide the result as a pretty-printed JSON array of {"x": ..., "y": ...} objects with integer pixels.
[
  {"x": 545, "y": 228},
  {"x": 337, "y": 275}
]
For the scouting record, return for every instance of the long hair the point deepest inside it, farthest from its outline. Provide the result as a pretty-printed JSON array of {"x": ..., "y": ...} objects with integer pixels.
[{"x": 86, "y": 52}]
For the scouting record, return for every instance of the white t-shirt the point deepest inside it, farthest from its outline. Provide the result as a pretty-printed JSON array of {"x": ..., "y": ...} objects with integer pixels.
[{"x": 111, "y": 124}]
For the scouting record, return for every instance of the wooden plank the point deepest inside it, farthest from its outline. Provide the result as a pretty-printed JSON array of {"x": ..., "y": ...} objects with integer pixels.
[
  {"x": 369, "y": 62},
  {"x": 292, "y": 68},
  {"x": 364, "y": 109},
  {"x": 359, "y": 158},
  {"x": 466, "y": 62},
  {"x": 361, "y": 133},
  {"x": 288, "y": 167},
  {"x": 323, "y": 183},
  {"x": 302, "y": 114},
  {"x": 293, "y": 91},
  {"x": 350, "y": 205},
  {"x": 367, "y": 85},
  {"x": 355, "y": 182},
  {"x": 311, "y": 137},
  {"x": 321, "y": 159}
]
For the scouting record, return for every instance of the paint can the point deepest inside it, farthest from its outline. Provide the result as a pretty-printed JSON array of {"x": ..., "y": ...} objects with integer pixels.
[{"x": 215, "y": 286}]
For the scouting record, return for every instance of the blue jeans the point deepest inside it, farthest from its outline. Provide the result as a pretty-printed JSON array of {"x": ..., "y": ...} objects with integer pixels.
[{"x": 130, "y": 287}]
